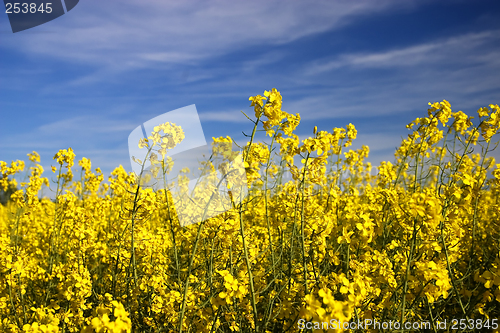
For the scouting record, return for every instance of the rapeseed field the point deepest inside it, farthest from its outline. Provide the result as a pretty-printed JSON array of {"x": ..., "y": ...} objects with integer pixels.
[{"x": 320, "y": 236}]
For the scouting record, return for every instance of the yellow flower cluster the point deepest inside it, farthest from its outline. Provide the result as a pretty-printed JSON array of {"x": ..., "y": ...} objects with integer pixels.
[{"x": 319, "y": 237}]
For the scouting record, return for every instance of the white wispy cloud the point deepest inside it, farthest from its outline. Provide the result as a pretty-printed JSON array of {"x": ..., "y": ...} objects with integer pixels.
[
  {"x": 91, "y": 131},
  {"x": 135, "y": 34},
  {"x": 462, "y": 69},
  {"x": 458, "y": 48}
]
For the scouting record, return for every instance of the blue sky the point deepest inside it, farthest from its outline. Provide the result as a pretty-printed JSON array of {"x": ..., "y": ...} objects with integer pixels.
[{"x": 88, "y": 78}]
